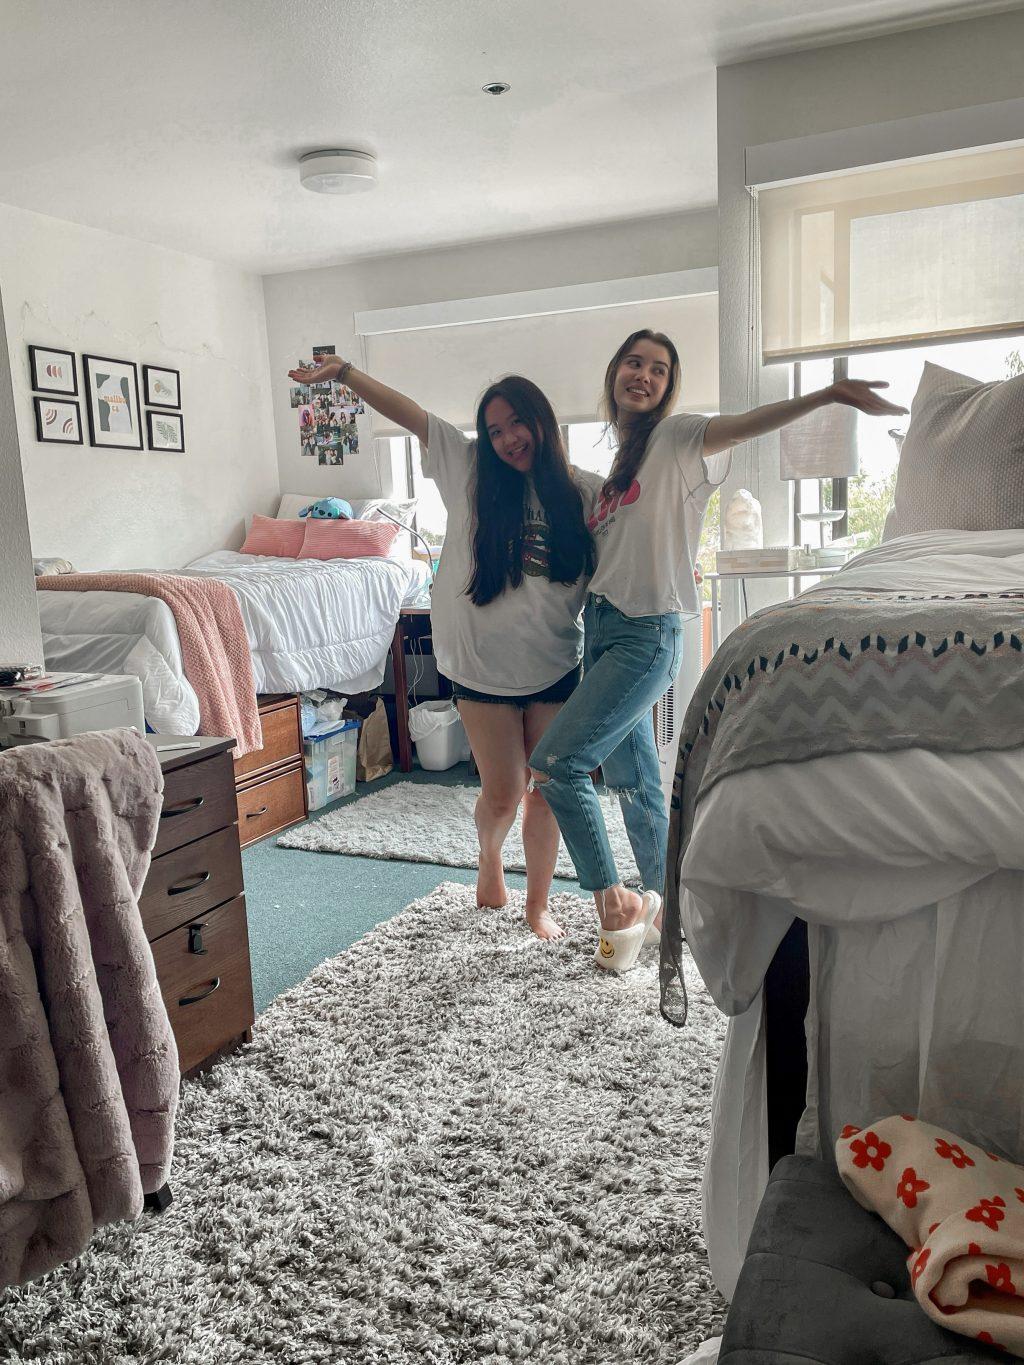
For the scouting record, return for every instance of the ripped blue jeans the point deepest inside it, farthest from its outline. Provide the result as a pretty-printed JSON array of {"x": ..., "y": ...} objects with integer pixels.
[{"x": 629, "y": 663}]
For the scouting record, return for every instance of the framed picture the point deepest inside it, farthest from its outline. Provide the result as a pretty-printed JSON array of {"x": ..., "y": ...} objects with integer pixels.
[
  {"x": 160, "y": 388},
  {"x": 53, "y": 371},
  {"x": 112, "y": 402},
  {"x": 58, "y": 421},
  {"x": 166, "y": 431}
]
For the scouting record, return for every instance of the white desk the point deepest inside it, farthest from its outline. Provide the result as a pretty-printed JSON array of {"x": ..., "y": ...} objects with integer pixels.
[{"x": 797, "y": 574}]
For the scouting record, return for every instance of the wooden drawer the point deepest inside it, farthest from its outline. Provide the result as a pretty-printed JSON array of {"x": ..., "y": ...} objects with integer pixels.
[
  {"x": 198, "y": 799},
  {"x": 208, "y": 994},
  {"x": 272, "y": 804},
  {"x": 191, "y": 880},
  {"x": 282, "y": 741}
]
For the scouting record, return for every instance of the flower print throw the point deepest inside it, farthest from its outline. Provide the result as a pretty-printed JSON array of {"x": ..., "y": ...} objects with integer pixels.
[{"x": 961, "y": 1211}]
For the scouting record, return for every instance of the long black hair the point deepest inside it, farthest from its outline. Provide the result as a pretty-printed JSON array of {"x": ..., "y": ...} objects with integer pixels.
[
  {"x": 501, "y": 499},
  {"x": 633, "y": 442}
]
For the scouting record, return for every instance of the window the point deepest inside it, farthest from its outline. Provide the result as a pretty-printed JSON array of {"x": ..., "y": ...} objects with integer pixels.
[{"x": 869, "y": 496}]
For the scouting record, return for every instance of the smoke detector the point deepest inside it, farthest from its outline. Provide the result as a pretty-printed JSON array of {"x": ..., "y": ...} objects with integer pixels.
[{"x": 335, "y": 171}]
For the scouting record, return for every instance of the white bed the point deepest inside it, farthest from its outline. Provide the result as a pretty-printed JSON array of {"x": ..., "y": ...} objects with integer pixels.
[
  {"x": 908, "y": 867},
  {"x": 311, "y": 624}
]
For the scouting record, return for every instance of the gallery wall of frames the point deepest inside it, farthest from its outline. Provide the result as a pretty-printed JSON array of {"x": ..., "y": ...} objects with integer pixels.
[{"x": 119, "y": 413}]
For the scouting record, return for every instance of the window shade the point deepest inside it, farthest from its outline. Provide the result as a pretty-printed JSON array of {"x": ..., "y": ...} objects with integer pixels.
[
  {"x": 922, "y": 251},
  {"x": 447, "y": 368}
]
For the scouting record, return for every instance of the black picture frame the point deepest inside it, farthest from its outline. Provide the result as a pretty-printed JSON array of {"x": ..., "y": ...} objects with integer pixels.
[
  {"x": 95, "y": 365},
  {"x": 37, "y": 362},
  {"x": 44, "y": 423},
  {"x": 163, "y": 416},
  {"x": 151, "y": 377}
]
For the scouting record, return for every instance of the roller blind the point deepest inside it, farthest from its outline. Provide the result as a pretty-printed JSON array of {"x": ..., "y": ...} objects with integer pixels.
[
  {"x": 447, "y": 368},
  {"x": 894, "y": 256}
]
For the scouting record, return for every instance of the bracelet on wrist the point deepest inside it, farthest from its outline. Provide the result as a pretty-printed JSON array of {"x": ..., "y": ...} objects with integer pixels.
[{"x": 345, "y": 371}]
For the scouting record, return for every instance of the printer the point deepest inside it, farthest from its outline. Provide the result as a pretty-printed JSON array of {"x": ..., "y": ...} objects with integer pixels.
[{"x": 60, "y": 705}]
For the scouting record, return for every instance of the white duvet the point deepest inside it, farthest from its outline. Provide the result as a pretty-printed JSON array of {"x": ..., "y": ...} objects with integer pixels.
[
  {"x": 909, "y": 868},
  {"x": 310, "y": 624}
]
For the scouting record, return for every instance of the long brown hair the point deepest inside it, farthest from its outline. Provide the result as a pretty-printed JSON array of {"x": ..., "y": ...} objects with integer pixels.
[
  {"x": 633, "y": 446},
  {"x": 501, "y": 499}
]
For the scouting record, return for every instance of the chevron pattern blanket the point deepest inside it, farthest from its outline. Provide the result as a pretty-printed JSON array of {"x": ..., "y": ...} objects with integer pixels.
[{"x": 837, "y": 671}]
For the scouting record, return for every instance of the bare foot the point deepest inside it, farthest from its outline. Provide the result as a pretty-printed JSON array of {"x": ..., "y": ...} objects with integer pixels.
[
  {"x": 542, "y": 923},
  {"x": 490, "y": 886},
  {"x": 622, "y": 910}
]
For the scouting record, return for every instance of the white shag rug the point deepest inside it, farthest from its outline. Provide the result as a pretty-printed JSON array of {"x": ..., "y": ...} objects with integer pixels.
[
  {"x": 450, "y": 1144},
  {"x": 419, "y": 822}
]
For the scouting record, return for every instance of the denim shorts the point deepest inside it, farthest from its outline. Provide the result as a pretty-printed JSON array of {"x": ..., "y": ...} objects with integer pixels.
[{"x": 559, "y": 691}]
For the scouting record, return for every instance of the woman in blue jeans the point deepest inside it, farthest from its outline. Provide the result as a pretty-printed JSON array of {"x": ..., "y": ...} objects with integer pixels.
[{"x": 646, "y": 527}]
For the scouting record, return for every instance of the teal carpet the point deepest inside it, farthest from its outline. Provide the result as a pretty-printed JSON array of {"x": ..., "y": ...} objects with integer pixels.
[{"x": 304, "y": 908}]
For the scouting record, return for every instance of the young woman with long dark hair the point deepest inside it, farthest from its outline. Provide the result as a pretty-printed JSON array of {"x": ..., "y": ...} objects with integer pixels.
[
  {"x": 506, "y": 602},
  {"x": 646, "y": 527}
]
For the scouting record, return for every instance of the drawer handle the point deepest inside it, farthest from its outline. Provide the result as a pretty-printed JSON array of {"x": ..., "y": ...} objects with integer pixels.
[
  {"x": 182, "y": 808},
  {"x": 195, "y": 999},
  {"x": 189, "y": 884},
  {"x": 195, "y": 938},
  {"x": 252, "y": 814}
]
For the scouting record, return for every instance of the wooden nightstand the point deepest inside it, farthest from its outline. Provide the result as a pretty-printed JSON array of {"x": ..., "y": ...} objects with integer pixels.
[
  {"x": 193, "y": 904},
  {"x": 271, "y": 783}
]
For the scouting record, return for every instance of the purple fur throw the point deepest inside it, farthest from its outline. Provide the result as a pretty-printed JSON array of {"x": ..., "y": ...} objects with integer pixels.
[{"x": 88, "y": 1064}]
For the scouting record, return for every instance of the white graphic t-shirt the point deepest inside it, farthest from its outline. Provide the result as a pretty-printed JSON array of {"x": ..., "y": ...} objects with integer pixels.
[
  {"x": 530, "y": 636},
  {"x": 647, "y": 537}
]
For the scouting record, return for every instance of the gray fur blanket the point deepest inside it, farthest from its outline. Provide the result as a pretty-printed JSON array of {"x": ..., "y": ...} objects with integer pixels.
[{"x": 88, "y": 1064}]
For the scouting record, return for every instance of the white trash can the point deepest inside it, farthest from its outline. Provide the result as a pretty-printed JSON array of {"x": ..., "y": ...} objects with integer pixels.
[{"x": 437, "y": 730}]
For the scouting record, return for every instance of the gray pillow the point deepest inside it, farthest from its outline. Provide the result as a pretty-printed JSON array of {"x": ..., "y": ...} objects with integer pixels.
[{"x": 962, "y": 463}]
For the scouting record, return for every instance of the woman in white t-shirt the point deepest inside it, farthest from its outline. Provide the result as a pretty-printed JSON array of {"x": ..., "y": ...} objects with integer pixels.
[
  {"x": 646, "y": 528},
  {"x": 506, "y": 601}
]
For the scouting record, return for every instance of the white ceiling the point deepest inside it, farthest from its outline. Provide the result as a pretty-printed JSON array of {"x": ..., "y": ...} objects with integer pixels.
[{"x": 179, "y": 121}]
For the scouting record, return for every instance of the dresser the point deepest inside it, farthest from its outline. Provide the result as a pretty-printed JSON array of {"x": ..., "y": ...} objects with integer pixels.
[
  {"x": 193, "y": 904},
  {"x": 271, "y": 782}
]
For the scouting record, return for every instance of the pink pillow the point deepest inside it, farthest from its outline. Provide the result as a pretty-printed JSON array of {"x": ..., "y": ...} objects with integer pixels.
[
  {"x": 269, "y": 536},
  {"x": 330, "y": 539}
]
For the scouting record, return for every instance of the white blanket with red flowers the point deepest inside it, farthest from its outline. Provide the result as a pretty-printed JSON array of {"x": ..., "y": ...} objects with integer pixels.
[{"x": 961, "y": 1211}]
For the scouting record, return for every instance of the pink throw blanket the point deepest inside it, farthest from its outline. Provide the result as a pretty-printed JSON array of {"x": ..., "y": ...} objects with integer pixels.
[
  {"x": 88, "y": 1064},
  {"x": 215, "y": 651},
  {"x": 961, "y": 1211}
]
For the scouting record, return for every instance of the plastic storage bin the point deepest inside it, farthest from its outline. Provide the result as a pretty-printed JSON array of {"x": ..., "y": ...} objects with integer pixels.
[
  {"x": 331, "y": 763},
  {"x": 438, "y": 732}
]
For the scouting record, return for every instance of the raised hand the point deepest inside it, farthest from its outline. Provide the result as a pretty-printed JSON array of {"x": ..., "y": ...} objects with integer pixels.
[
  {"x": 329, "y": 368},
  {"x": 860, "y": 393}
]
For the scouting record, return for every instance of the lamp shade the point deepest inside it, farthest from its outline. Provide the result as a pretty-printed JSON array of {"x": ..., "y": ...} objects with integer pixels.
[{"x": 822, "y": 445}]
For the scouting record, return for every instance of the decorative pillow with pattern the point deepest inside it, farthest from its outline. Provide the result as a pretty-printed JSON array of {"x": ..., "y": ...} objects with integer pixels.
[{"x": 962, "y": 463}]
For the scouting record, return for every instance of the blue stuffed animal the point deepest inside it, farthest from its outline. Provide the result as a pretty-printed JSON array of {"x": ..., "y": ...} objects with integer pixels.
[{"x": 328, "y": 507}]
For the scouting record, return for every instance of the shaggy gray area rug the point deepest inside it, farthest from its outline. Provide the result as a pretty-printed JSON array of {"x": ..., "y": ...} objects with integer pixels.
[
  {"x": 452, "y": 1143},
  {"x": 417, "y": 822}
]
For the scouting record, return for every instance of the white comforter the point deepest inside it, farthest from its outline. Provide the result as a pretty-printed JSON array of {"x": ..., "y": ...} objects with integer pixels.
[
  {"x": 310, "y": 623},
  {"x": 909, "y": 868}
]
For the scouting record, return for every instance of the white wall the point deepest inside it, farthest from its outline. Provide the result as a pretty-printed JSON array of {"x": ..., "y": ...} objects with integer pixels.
[
  {"x": 88, "y": 291},
  {"x": 314, "y": 307},
  {"x": 926, "y": 71},
  {"x": 19, "y": 621}
]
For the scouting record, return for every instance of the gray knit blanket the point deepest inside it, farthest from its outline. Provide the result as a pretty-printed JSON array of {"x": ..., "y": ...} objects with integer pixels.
[
  {"x": 88, "y": 1064},
  {"x": 843, "y": 670}
]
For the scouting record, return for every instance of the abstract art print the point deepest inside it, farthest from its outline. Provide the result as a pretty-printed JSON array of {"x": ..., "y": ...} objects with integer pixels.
[
  {"x": 58, "y": 421},
  {"x": 112, "y": 402},
  {"x": 166, "y": 431},
  {"x": 53, "y": 371},
  {"x": 161, "y": 388}
]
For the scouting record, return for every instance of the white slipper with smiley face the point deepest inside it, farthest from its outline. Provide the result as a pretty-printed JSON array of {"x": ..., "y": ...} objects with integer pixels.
[{"x": 618, "y": 949}]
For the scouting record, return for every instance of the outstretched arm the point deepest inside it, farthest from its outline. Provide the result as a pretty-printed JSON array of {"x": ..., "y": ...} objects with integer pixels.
[
  {"x": 395, "y": 406},
  {"x": 723, "y": 433}
]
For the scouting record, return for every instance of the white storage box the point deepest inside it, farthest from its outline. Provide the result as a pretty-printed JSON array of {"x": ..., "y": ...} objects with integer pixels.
[
  {"x": 331, "y": 763},
  {"x": 439, "y": 735},
  {"x": 104, "y": 701}
]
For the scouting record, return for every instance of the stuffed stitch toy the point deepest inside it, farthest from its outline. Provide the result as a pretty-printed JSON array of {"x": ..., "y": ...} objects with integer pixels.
[{"x": 328, "y": 507}]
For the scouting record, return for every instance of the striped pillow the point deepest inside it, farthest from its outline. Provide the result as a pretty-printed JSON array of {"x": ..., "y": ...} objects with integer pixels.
[
  {"x": 329, "y": 539},
  {"x": 268, "y": 536}
]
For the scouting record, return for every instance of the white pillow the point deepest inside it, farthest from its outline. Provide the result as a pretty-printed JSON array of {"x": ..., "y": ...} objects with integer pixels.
[{"x": 291, "y": 504}]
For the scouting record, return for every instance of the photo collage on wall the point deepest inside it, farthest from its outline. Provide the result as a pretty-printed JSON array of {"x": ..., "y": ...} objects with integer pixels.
[{"x": 327, "y": 415}]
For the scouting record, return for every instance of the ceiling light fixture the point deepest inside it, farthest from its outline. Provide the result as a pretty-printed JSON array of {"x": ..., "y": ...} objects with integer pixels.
[
  {"x": 334, "y": 171},
  {"x": 496, "y": 88}
]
